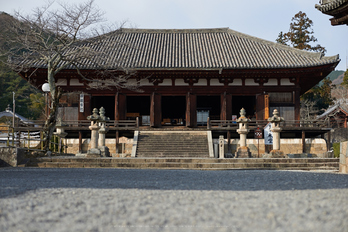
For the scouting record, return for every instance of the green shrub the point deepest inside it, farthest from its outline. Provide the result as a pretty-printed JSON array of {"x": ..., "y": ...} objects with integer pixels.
[{"x": 336, "y": 147}]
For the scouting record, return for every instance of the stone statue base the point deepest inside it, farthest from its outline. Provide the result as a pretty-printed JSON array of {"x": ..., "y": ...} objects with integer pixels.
[
  {"x": 275, "y": 154},
  {"x": 104, "y": 151},
  {"x": 94, "y": 152},
  {"x": 243, "y": 152}
]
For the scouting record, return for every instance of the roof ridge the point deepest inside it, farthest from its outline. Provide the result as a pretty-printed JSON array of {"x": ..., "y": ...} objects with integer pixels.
[{"x": 192, "y": 30}]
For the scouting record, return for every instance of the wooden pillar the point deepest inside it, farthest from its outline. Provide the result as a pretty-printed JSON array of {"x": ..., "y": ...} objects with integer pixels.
[
  {"x": 229, "y": 142},
  {"x": 297, "y": 104},
  {"x": 303, "y": 141},
  {"x": 80, "y": 142},
  {"x": 191, "y": 110},
  {"x": 328, "y": 140},
  {"x": 120, "y": 106},
  {"x": 155, "y": 110},
  {"x": 226, "y": 106},
  {"x": 262, "y": 107},
  {"x": 117, "y": 142}
]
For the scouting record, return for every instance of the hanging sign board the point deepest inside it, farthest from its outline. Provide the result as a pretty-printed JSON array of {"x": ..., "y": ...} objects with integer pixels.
[
  {"x": 258, "y": 133},
  {"x": 268, "y": 134},
  {"x": 82, "y": 103}
]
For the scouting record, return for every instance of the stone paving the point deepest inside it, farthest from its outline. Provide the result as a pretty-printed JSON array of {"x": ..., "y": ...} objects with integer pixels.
[{"x": 33, "y": 199}]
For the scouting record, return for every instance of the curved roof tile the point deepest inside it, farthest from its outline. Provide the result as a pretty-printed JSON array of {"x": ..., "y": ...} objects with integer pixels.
[{"x": 198, "y": 49}]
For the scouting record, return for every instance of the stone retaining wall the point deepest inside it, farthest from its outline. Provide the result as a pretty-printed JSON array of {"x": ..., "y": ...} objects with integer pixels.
[
  {"x": 125, "y": 146},
  {"x": 11, "y": 156},
  {"x": 344, "y": 157},
  {"x": 288, "y": 146}
]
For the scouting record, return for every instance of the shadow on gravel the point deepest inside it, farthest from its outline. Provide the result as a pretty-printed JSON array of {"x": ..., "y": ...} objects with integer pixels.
[{"x": 19, "y": 180}]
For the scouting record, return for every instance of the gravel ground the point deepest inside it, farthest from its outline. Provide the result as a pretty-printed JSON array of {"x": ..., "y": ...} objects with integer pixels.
[{"x": 34, "y": 199}]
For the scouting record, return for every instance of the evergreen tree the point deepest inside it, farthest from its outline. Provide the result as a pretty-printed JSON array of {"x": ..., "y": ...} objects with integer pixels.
[
  {"x": 281, "y": 38},
  {"x": 320, "y": 95},
  {"x": 300, "y": 34},
  {"x": 345, "y": 79}
]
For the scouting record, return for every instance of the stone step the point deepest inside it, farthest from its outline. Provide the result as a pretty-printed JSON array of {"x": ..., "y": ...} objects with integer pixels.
[
  {"x": 203, "y": 147},
  {"x": 187, "y": 163},
  {"x": 172, "y": 144},
  {"x": 193, "y": 166},
  {"x": 187, "y": 160}
]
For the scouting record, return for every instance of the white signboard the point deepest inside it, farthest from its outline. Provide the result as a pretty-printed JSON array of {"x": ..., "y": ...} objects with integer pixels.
[
  {"x": 82, "y": 103},
  {"x": 268, "y": 134}
]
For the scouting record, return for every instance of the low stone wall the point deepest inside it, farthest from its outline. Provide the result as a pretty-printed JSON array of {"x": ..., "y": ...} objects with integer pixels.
[
  {"x": 288, "y": 146},
  {"x": 11, "y": 156},
  {"x": 315, "y": 146},
  {"x": 344, "y": 157},
  {"x": 125, "y": 146}
]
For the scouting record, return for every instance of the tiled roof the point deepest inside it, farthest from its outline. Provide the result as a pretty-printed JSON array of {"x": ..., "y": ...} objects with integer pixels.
[
  {"x": 331, "y": 109},
  {"x": 329, "y": 5},
  {"x": 220, "y": 48}
]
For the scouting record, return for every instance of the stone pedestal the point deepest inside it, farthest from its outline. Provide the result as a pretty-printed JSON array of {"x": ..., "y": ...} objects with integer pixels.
[
  {"x": 275, "y": 120},
  {"x": 94, "y": 151},
  {"x": 221, "y": 147},
  {"x": 60, "y": 132},
  {"x": 94, "y": 136},
  {"x": 102, "y": 131},
  {"x": 275, "y": 154},
  {"x": 103, "y": 149},
  {"x": 243, "y": 151}
]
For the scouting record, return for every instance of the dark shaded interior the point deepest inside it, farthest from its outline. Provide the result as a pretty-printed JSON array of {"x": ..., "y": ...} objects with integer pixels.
[
  {"x": 173, "y": 107},
  {"x": 246, "y": 102},
  {"x": 211, "y": 103},
  {"x": 108, "y": 102},
  {"x": 138, "y": 104}
]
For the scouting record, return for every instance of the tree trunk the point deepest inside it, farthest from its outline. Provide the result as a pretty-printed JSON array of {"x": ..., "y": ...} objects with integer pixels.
[{"x": 51, "y": 121}]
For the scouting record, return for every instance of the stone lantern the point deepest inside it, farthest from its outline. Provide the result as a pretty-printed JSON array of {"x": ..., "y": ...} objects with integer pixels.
[
  {"x": 94, "y": 127},
  {"x": 102, "y": 131},
  {"x": 275, "y": 121},
  {"x": 243, "y": 151},
  {"x": 60, "y": 132}
]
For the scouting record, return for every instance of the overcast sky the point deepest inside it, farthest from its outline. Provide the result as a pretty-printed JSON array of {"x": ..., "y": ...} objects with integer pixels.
[{"x": 260, "y": 18}]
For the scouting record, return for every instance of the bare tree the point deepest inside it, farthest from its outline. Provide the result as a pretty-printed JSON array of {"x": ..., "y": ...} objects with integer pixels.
[
  {"x": 61, "y": 39},
  {"x": 308, "y": 110}
]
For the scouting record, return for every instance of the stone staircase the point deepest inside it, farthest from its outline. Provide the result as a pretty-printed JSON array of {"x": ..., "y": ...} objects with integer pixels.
[
  {"x": 178, "y": 144},
  {"x": 322, "y": 164}
]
